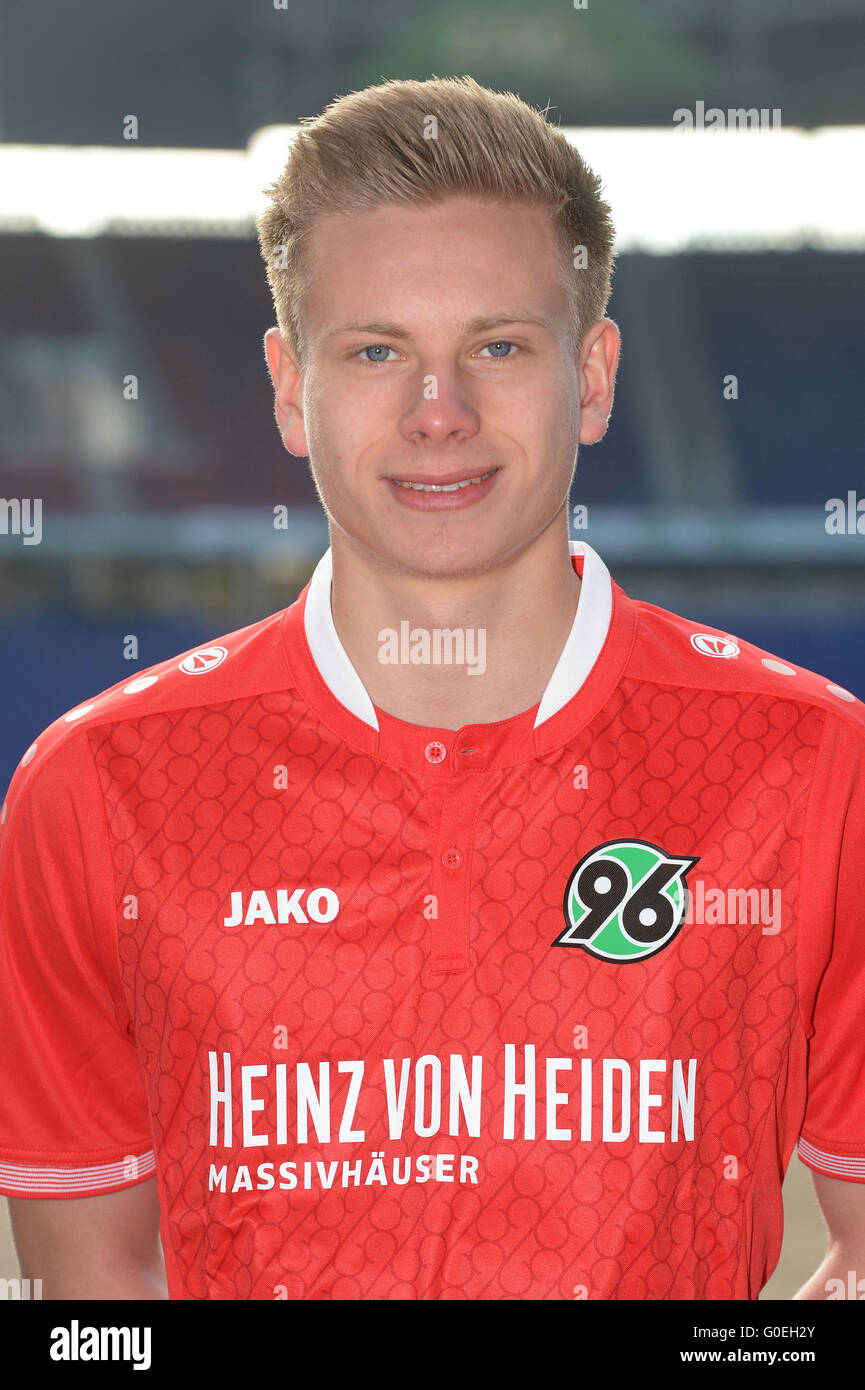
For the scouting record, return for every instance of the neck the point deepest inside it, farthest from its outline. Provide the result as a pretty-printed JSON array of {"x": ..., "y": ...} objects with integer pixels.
[{"x": 445, "y": 653}]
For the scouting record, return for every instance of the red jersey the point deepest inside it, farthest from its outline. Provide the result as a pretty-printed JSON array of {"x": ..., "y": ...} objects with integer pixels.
[{"x": 535, "y": 1009}]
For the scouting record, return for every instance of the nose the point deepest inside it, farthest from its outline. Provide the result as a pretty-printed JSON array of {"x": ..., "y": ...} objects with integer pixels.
[{"x": 440, "y": 409}]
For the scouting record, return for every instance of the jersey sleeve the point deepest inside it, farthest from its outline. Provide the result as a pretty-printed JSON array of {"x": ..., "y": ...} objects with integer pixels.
[
  {"x": 74, "y": 1119},
  {"x": 832, "y": 950}
]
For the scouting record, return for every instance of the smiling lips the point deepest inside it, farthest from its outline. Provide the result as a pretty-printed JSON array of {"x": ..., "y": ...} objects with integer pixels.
[{"x": 425, "y": 485}]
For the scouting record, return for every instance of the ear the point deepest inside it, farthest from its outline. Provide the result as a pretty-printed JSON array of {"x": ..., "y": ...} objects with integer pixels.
[
  {"x": 599, "y": 359},
  {"x": 287, "y": 380}
]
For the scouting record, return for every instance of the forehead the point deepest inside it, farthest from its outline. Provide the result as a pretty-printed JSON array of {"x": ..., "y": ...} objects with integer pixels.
[{"x": 403, "y": 258}]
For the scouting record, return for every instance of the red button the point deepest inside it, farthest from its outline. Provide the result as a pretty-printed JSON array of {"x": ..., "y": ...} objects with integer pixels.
[
  {"x": 435, "y": 752},
  {"x": 452, "y": 858}
]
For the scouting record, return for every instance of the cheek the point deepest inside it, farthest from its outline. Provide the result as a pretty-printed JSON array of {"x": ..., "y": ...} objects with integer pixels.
[
  {"x": 335, "y": 440},
  {"x": 326, "y": 422},
  {"x": 552, "y": 449},
  {"x": 544, "y": 420},
  {"x": 333, "y": 411},
  {"x": 348, "y": 430},
  {"x": 560, "y": 408}
]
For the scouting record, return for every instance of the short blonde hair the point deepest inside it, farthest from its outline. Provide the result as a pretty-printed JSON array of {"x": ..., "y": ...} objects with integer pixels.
[{"x": 369, "y": 149}]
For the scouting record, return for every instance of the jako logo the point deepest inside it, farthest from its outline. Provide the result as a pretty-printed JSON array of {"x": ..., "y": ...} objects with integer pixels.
[
  {"x": 76, "y": 1343},
  {"x": 321, "y": 904}
]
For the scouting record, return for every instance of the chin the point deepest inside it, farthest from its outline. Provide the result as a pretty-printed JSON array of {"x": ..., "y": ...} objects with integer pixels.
[
  {"x": 440, "y": 556},
  {"x": 456, "y": 562}
]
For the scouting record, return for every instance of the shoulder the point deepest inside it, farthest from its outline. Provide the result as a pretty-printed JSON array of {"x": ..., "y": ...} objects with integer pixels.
[
  {"x": 248, "y": 662},
  {"x": 672, "y": 650}
]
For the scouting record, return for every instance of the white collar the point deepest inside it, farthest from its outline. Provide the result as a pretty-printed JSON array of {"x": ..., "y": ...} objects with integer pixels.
[{"x": 579, "y": 654}]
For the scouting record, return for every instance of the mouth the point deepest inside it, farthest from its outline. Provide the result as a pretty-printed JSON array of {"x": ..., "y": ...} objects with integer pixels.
[{"x": 422, "y": 485}]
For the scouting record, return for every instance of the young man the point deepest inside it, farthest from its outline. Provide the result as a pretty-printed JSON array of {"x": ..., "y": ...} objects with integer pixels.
[{"x": 468, "y": 929}]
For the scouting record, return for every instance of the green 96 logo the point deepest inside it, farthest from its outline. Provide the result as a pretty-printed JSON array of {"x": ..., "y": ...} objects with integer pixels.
[{"x": 625, "y": 900}]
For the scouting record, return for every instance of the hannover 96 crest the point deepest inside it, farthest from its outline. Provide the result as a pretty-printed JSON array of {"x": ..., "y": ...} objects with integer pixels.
[{"x": 625, "y": 900}]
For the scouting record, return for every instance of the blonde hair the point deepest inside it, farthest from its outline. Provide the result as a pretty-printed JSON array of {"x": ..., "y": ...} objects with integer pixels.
[{"x": 369, "y": 149}]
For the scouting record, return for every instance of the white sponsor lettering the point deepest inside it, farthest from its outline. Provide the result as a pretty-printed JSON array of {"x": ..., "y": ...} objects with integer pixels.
[
  {"x": 375, "y": 1171},
  {"x": 302, "y": 905},
  {"x": 650, "y": 1100}
]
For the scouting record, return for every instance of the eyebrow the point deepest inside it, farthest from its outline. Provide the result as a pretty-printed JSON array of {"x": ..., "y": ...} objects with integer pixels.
[{"x": 480, "y": 324}]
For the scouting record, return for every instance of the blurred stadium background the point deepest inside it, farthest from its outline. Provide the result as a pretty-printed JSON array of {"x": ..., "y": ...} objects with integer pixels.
[{"x": 741, "y": 255}]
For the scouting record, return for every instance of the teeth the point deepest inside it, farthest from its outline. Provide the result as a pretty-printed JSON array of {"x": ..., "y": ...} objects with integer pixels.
[{"x": 445, "y": 487}]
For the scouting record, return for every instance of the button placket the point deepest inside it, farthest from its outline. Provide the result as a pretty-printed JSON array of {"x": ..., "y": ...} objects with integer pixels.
[{"x": 455, "y": 800}]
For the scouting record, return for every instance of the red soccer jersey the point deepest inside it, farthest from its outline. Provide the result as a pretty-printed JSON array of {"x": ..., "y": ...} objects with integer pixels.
[{"x": 535, "y": 1009}]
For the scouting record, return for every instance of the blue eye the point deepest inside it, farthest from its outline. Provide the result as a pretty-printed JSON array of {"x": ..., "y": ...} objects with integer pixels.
[
  {"x": 375, "y": 347},
  {"x": 500, "y": 343}
]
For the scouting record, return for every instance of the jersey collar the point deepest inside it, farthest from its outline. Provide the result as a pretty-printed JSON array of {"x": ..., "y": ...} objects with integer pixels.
[
  {"x": 589, "y": 668},
  {"x": 581, "y": 650}
]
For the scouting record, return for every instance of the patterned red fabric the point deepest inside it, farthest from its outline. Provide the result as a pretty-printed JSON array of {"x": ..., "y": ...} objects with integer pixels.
[{"x": 308, "y": 970}]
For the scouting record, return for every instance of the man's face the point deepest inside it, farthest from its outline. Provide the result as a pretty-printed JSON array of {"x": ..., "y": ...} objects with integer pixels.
[{"x": 438, "y": 351}]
